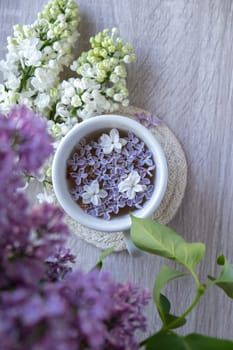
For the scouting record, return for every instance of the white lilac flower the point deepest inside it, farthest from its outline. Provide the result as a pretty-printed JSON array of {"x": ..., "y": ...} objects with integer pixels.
[
  {"x": 62, "y": 111},
  {"x": 45, "y": 197},
  {"x": 70, "y": 91},
  {"x": 8, "y": 98},
  {"x": 102, "y": 82},
  {"x": 29, "y": 51},
  {"x": 43, "y": 79},
  {"x": 42, "y": 101},
  {"x": 12, "y": 82},
  {"x": 93, "y": 193},
  {"x": 76, "y": 101},
  {"x": 85, "y": 83},
  {"x": 131, "y": 185},
  {"x": 112, "y": 142},
  {"x": 101, "y": 102},
  {"x": 36, "y": 56}
]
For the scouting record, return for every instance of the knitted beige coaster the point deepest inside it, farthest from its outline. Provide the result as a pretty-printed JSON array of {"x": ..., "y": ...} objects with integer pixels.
[{"x": 177, "y": 176}]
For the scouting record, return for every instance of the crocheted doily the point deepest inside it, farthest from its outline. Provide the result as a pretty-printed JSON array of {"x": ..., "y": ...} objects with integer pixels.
[{"x": 177, "y": 176}]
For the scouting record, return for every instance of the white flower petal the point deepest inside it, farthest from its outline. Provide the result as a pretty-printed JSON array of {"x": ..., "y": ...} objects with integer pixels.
[
  {"x": 86, "y": 198},
  {"x": 131, "y": 193},
  {"x": 114, "y": 135},
  {"x": 135, "y": 177},
  {"x": 123, "y": 141},
  {"x": 117, "y": 147},
  {"x": 76, "y": 101},
  {"x": 94, "y": 187},
  {"x": 108, "y": 149},
  {"x": 95, "y": 199},
  {"x": 138, "y": 188},
  {"x": 105, "y": 139},
  {"x": 123, "y": 186}
]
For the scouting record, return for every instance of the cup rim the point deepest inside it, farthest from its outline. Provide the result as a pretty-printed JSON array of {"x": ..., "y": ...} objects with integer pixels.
[{"x": 64, "y": 150}]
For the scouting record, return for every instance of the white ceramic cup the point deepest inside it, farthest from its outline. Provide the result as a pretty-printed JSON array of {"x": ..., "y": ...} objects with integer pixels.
[{"x": 63, "y": 152}]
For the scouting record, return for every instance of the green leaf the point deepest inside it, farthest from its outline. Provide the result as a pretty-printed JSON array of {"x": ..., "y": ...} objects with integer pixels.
[
  {"x": 158, "y": 239},
  {"x": 171, "y": 318},
  {"x": 221, "y": 260},
  {"x": 165, "y": 304},
  {"x": 225, "y": 279},
  {"x": 102, "y": 256},
  {"x": 202, "y": 342},
  {"x": 165, "y": 340},
  {"x": 169, "y": 340},
  {"x": 165, "y": 275}
]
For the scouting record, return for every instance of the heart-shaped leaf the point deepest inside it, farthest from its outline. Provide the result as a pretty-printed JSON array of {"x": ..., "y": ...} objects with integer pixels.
[
  {"x": 158, "y": 239},
  {"x": 225, "y": 279},
  {"x": 169, "y": 340}
]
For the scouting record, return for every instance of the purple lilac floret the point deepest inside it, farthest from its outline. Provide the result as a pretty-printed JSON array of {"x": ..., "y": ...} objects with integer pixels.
[
  {"x": 148, "y": 120},
  {"x": 59, "y": 265},
  {"x": 111, "y": 174}
]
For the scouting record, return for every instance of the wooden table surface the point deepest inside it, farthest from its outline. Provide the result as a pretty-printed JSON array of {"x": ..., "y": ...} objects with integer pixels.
[{"x": 184, "y": 75}]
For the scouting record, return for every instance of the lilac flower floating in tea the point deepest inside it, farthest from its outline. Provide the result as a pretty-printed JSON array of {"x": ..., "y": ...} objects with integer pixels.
[
  {"x": 112, "y": 142},
  {"x": 131, "y": 185},
  {"x": 93, "y": 194},
  {"x": 111, "y": 173}
]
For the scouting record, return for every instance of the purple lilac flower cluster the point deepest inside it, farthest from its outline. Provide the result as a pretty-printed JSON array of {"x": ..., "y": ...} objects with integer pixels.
[
  {"x": 28, "y": 236},
  {"x": 84, "y": 311},
  {"x": 110, "y": 175},
  {"x": 43, "y": 304}
]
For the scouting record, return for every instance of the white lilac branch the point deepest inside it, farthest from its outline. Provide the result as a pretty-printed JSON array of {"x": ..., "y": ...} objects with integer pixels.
[
  {"x": 36, "y": 56},
  {"x": 100, "y": 86}
]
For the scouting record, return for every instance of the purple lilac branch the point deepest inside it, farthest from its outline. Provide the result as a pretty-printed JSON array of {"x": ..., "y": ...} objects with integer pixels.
[{"x": 43, "y": 304}]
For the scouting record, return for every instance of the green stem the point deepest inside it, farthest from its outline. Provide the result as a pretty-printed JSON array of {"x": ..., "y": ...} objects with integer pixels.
[
  {"x": 200, "y": 292},
  {"x": 27, "y": 73},
  {"x": 162, "y": 316},
  {"x": 196, "y": 278},
  {"x": 52, "y": 112},
  {"x": 44, "y": 182},
  {"x": 49, "y": 42},
  {"x": 210, "y": 284}
]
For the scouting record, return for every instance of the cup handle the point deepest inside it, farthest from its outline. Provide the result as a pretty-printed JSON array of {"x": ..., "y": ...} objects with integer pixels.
[{"x": 132, "y": 249}]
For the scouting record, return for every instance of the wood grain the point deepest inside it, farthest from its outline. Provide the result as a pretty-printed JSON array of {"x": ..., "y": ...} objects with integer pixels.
[{"x": 184, "y": 75}]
